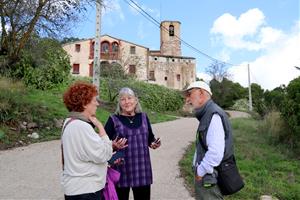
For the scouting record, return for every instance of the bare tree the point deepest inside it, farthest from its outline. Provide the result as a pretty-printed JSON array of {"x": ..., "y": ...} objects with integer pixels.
[
  {"x": 217, "y": 70},
  {"x": 21, "y": 18}
]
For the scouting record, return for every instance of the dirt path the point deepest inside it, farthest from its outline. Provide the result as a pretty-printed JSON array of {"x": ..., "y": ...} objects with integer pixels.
[
  {"x": 33, "y": 172},
  {"x": 238, "y": 114}
]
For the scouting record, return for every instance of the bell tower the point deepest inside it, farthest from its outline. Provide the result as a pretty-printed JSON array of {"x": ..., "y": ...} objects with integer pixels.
[{"x": 170, "y": 44}]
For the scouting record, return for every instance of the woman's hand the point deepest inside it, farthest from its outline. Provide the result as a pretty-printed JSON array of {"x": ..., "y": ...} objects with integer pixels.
[
  {"x": 119, "y": 143},
  {"x": 155, "y": 144},
  {"x": 119, "y": 161},
  {"x": 98, "y": 125}
]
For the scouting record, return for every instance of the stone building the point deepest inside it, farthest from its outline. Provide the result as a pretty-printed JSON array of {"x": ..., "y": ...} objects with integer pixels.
[{"x": 165, "y": 67}]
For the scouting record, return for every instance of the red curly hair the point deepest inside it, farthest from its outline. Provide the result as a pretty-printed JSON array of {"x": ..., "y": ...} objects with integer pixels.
[{"x": 78, "y": 95}]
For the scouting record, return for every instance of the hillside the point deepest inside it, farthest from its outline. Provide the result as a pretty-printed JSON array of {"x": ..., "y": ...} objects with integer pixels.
[{"x": 29, "y": 115}]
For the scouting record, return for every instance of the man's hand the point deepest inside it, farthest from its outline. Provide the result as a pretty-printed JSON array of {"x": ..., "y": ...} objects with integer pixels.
[{"x": 198, "y": 178}]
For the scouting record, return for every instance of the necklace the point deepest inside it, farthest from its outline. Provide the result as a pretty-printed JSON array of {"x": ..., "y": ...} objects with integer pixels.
[{"x": 130, "y": 120}]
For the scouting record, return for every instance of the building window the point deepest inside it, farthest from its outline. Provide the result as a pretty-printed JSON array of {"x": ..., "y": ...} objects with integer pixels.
[
  {"x": 132, "y": 49},
  {"x": 173, "y": 60},
  {"x": 104, "y": 47},
  {"x": 166, "y": 78},
  {"x": 92, "y": 44},
  {"x": 77, "y": 47},
  {"x": 115, "y": 47},
  {"x": 76, "y": 68},
  {"x": 171, "y": 30},
  {"x": 91, "y": 69},
  {"x": 132, "y": 69},
  {"x": 151, "y": 76},
  {"x": 178, "y": 77}
]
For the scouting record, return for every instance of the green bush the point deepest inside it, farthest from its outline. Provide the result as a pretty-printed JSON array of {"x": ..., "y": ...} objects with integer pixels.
[
  {"x": 240, "y": 104},
  {"x": 274, "y": 127},
  {"x": 275, "y": 97},
  {"x": 152, "y": 97},
  {"x": 10, "y": 99},
  {"x": 225, "y": 93},
  {"x": 290, "y": 110},
  {"x": 43, "y": 65}
]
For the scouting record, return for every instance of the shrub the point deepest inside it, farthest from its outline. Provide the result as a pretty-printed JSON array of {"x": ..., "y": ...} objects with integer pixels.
[
  {"x": 275, "y": 127},
  {"x": 10, "y": 99},
  {"x": 241, "y": 104},
  {"x": 274, "y": 98},
  {"x": 153, "y": 97},
  {"x": 290, "y": 109},
  {"x": 13, "y": 106},
  {"x": 43, "y": 65}
]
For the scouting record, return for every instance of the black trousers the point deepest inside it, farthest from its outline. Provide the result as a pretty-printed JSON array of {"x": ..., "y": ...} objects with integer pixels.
[
  {"x": 139, "y": 193},
  {"x": 87, "y": 196}
]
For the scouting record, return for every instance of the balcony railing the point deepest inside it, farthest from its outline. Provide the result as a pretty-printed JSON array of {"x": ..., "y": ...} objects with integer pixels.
[{"x": 110, "y": 56}]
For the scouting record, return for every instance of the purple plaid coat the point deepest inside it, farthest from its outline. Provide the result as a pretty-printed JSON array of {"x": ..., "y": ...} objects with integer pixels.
[{"x": 136, "y": 170}]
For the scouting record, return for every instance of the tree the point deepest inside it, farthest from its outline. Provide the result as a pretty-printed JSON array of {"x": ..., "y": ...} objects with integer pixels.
[
  {"x": 274, "y": 98},
  {"x": 290, "y": 110},
  {"x": 43, "y": 64},
  {"x": 21, "y": 18},
  {"x": 115, "y": 75},
  {"x": 258, "y": 100},
  {"x": 69, "y": 39},
  {"x": 225, "y": 93},
  {"x": 217, "y": 71}
]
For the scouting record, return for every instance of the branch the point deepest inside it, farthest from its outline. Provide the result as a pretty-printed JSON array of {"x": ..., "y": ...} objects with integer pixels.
[{"x": 32, "y": 23}]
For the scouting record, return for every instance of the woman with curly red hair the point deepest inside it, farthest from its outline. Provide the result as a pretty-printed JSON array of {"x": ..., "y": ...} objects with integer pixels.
[{"x": 85, "y": 152}]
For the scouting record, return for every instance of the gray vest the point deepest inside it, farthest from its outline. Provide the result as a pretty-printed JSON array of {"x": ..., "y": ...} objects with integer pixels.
[{"x": 204, "y": 115}]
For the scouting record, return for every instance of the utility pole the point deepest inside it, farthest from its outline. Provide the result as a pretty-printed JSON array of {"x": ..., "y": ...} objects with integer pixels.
[
  {"x": 96, "y": 66},
  {"x": 249, "y": 86}
]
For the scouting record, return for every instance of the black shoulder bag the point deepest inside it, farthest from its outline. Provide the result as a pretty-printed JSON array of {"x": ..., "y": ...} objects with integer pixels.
[{"x": 229, "y": 178}]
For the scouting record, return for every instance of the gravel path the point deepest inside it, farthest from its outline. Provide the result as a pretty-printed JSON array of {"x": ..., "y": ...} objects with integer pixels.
[
  {"x": 33, "y": 172},
  {"x": 238, "y": 114}
]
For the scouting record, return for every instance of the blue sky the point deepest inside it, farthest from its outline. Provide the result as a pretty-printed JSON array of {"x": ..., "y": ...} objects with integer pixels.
[{"x": 263, "y": 33}]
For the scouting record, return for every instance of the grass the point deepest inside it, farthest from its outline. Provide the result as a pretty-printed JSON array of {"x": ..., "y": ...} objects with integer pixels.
[
  {"x": 19, "y": 104},
  {"x": 267, "y": 169}
]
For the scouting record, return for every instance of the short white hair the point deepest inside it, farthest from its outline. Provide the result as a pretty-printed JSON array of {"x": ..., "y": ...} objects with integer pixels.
[{"x": 127, "y": 91}]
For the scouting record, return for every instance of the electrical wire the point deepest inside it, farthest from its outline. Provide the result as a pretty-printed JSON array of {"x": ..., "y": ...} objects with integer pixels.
[{"x": 134, "y": 5}]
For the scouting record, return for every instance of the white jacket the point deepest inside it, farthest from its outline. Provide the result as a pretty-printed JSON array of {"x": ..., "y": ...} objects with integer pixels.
[{"x": 85, "y": 158}]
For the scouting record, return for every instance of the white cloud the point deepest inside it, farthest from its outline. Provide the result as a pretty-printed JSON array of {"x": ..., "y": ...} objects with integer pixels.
[
  {"x": 276, "y": 66},
  {"x": 204, "y": 76},
  {"x": 246, "y": 24},
  {"x": 246, "y": 32},
  {"x": 279, "y": 50},
  {"x": 224, "y": 55}
]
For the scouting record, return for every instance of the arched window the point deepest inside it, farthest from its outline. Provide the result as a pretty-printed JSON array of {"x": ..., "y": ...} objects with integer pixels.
[
  {"x": 115, "y": 47},
  {"x": 171, "y": 30},
  {"x": 104, "y": 47}
]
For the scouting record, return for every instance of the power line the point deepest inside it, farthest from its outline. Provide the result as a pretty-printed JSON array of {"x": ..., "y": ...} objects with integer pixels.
[{"x": 155, "y": 22}]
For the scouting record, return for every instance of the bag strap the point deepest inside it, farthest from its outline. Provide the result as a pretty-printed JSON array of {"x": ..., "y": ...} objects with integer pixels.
[{"x": 61, "y": 146}]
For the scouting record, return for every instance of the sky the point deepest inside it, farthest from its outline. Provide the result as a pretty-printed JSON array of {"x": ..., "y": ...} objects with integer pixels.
[{"x": 264, "y": 34}]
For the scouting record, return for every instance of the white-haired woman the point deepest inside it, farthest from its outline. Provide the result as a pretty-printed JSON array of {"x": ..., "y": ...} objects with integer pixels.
[{"x": 131, "y": 123}]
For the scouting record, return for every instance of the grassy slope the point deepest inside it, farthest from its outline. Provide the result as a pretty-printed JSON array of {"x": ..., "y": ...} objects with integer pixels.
[
  {"x": 266, "y": 169},
  {"x": 42, "y": 107}
]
